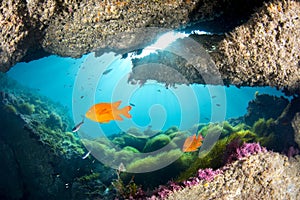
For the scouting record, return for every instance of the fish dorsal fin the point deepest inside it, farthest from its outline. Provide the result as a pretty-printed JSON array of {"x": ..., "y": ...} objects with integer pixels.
[{"x": 116, "y": 104}]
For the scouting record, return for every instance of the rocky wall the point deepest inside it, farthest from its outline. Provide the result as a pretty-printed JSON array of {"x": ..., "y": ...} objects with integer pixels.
[{"x": 261, "y": 51}]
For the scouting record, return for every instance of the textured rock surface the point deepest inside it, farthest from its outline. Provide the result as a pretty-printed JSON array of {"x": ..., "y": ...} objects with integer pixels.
[
  {"x": 265, "y": 50},
  {"x": 262, "y": 176},
  {"x": 265, "y": 106},
  {"x": 39, "y": 160},
  {"x": 296, "y": 127}
]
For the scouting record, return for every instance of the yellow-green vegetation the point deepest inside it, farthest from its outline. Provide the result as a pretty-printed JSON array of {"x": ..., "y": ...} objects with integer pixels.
[
  {"x": 224, "y": 128},
  {"x": 70, "y": 136},
  {"x": 265, "y": 129},
  {"x": 151, "y": 162},
  {"x": 27, "y": 108},
  {"x": 125, "y": 190},
  {"x": 90, "y": 177},
  {"x": 171, "y": 130},
  {"x": 156, "y": 143},
  {"x": 10, "y": 109},
  {"x": 54, "y": 121},
  {"x": 129, "y": 140},
  {"x": 214, "y": 158},
  {"x": 125, "y": 155},
  {"x": 99, "y": 148},
  {"x": 178, "y": 135},
  {"x": 131, "y": 149}
]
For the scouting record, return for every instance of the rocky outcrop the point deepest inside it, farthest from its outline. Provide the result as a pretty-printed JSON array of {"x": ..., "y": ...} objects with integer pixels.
[
  {"x": 265, "y": 106},
  {"x": 261, "y": 176},
  {"x": 263, "y": 51},
  {"x": 41, "y": 159},
  {"x": 296, "y": 127}
]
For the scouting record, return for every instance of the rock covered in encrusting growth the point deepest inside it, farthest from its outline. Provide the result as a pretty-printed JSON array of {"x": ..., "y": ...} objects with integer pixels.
[
  {"x": 265, "y": 106},
  {"x": 262, "y": 176},
  {"x": 265, "y": 50},
  {"x": 296, "y": 127}
]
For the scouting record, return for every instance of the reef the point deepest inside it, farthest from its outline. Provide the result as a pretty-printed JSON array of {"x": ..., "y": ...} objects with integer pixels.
[
  {"x": 296, "y": 127},
  {"x": 264, "y": 50},
  {"x": 257, "y": 50},
  {"x": 39, "y": 156},
  {"x": 264, "y": 176},
  {"x": 261, "y": 52}
]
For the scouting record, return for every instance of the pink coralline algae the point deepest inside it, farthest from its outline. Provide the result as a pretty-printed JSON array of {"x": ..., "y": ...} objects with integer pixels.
[
  {"x": 203, "y": 174},
  {"x": 164, "y": 190},
  {"x": 247, "y": 149},
  {"x": 207, "y": 174}
]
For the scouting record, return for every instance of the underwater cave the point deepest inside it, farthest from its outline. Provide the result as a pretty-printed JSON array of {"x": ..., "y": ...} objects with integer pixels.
[{"x": 138, "y": 100}]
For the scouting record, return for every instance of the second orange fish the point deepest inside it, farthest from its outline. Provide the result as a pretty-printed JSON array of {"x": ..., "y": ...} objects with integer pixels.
[
  {"x": 106, "y": 112},
  {"x": 192, "y": 143}
]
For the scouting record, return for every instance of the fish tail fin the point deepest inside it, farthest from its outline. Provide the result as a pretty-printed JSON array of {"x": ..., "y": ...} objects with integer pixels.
[{"x": 125, "y": 111}]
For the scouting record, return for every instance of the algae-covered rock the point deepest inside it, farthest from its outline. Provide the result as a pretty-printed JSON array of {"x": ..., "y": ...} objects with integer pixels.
[
  {"x": 253, "y": 55},
  {"x": 135, "y": 132},
  {"x": 171, "y": 130},
  {"x": 272, "y": 174},
  {"x": 131, "y": 149},
  {"x": 149, "y": 171},
  {"x": 124, "y": 140},
  {"x": 156, "y": 143},
  {"x": 27, "y": 108},
  {"x": 54, "y": 121},
  {"x": 10, "y": 108},
  {"x": 265, "y": 106},
  {"x": 216, "y": 156}
]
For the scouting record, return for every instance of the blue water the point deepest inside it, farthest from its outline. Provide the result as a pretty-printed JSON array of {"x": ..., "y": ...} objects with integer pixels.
[{"x": 80, "y": 83}]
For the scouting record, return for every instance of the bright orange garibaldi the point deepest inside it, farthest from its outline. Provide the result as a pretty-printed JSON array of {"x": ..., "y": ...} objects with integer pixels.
[
  {"x": 192, "y": 143},
  {"x": 105, "y": 112}
]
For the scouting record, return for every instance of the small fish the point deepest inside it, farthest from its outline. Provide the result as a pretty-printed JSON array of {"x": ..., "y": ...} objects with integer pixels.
[
  {"x": 81, "y": 97},
  {"x": 105, "y": 112},
  {"x": 86, "y": 155},
  {"x": 78, "y": 126},
  {"x": 192, "y": 143},
  {"x": 132, "y": 104},
  {"x": 214, "y": 96},
  {"x": 158, "y": 90},
  {"x": 107, "y": 71},
  {"x": 218, "y": 105}
]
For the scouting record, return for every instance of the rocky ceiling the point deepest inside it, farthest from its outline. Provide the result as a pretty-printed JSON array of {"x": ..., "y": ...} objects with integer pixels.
[{"x": 257, "y": 43}]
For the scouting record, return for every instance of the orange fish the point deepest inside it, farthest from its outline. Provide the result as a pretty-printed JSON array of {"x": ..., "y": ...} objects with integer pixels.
[
  {"x": 192, "y": 143},
  {"x": 105, "y": 112}
]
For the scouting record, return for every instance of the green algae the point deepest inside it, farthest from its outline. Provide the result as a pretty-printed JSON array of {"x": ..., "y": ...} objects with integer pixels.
[
  {"x": 156, "y": 143},
  {"x": 27, "y": 108},
  {"x": 10, "y": 109},
  {"x": 89, "y": 177}
]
